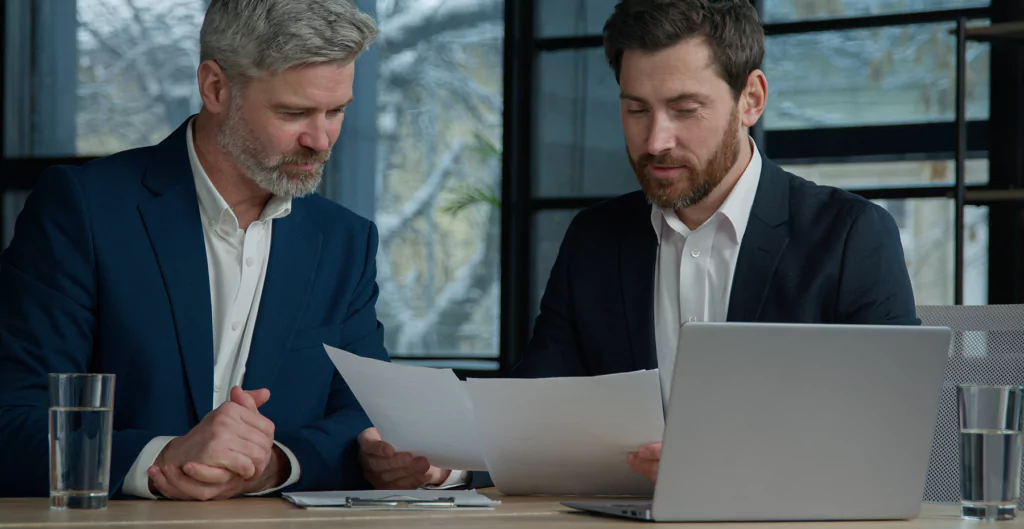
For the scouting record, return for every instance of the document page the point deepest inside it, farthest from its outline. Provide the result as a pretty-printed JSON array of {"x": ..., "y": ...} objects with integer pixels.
[
  {"x": 568, "y": 436},
  {"x": 421, "y": 410}
]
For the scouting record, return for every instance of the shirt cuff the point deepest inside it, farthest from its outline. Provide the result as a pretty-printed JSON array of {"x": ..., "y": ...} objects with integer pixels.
[
  {"x": 292, "y": 478},
  {"x": 136, "y": 483},
  {"x": 457, "y": 478}
]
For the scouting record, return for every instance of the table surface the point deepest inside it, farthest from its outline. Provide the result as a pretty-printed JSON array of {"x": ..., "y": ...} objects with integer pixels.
[{"x": 514, "y": 511}]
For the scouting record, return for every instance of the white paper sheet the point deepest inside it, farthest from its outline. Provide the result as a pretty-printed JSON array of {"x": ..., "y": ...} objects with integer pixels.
[
  {"x": 463, "y": 498},
  {"x": 568, "y": 436},
  {"x": 420, "y": 410}
]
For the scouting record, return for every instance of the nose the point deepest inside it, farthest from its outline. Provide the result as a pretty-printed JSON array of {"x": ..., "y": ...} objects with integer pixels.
[
  {"x": 662, "y": 137},
  {"x": 315, "y": 136}
]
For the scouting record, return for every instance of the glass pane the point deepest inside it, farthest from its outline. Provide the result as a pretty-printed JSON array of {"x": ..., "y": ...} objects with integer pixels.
[
  {"x": 93, "y": 77},
  {"x": 872, "y": 76},
  {"x": 438, "y": 131},
  {"x": 926, "y": 230},
  {"x": 793, "y": 10},
  {"x": 873, "y": 175},
  {"x": 137, "y": 66},
  {"x": 570, "y": 18},
  {"x": 549, "y": 228},
  {"x": 578, "y": 141},
  {"x": 976, "y": 255}
]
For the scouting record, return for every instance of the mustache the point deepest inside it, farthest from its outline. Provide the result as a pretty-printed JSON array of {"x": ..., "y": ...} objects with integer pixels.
[
  {"x": 662, "y": 159},
  {"x": 307, "y": 157}
]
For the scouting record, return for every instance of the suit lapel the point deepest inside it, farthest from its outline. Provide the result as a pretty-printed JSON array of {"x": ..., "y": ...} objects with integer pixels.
[
  {"x": 172, "y": 222},
  {"x": 294, "y": 252},
  {"x": 765, "y": 239},
  {"x": 638, "y": 251}
]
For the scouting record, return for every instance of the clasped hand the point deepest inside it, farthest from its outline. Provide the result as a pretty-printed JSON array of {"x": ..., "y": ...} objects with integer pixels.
[{"x": 230, "y": 452}]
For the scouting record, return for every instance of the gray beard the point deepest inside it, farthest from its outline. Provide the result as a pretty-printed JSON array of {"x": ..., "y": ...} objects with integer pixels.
[{"x": 239, "y": 141}]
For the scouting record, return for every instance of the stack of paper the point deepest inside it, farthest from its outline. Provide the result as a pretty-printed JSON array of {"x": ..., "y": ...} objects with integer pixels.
[
  {"x": 382, "y": 498},
  {"x": 540, "y": 436}
]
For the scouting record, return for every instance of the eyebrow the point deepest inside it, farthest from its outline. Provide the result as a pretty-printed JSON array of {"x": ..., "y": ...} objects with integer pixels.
[
  {"x": 294, "y": 108},
  {"x": 683, "y": 97}
]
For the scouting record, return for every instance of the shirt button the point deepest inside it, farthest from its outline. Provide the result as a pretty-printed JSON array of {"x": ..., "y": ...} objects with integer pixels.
[
  {"x": 693, "y": 318},
  {"x": 248, "y": 261},
  {"x": 211, "y": 223},
  {"x": 695, "y": 253},
  {"x": 216, "y": 388},
  {"x": 236, "y": 325}
]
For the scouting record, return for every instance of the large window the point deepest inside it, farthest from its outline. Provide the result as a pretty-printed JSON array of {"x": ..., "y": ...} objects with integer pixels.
[
  {"x": 420, "y": 152},
  {"x": 422, "y": 156}
]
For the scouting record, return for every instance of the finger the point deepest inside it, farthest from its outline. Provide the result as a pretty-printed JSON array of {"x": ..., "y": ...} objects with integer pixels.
[
  {"x": 381, "y": 464},
  {"x": 261, "y": 423},
  {"x": 651, "y": 451},
  {"x": 367, "y": 437},
  {"x": 208, "y": 474},
  {"x": 370, "y": 443},
  {"x": 163, "y": 486},
  {"x": 647, "y": 468},
  {"x": 240, "y": 397},
  {"x": 248, "y": 434},
  {"x": 418, "y": 466},
  {"x": 259, "y": 455},
  {"x": 231, "y": 460},
  {"x": 437, "y": 476},
  {"x": 252, "y": 399},
  {"x": 192, "y": 489},
  {"x": 259, "y": 396}
]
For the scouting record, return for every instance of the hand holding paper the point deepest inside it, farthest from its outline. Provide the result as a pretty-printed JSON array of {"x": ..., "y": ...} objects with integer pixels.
[
  {"x": 385, "y": 468},
  {"x": 539, "y": 436},
  {"x": 422, "y": 411}
]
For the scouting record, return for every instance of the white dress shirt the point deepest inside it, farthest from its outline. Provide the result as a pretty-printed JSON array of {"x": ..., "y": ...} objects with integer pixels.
[
  {"x": 694, "y": 270},
  {"x": 237, "y": 264}
]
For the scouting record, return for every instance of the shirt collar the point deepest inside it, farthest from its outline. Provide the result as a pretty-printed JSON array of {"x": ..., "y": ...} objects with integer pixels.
[
  {"x": 213, "y": 206},
  {"x": 736, "y": 207}
]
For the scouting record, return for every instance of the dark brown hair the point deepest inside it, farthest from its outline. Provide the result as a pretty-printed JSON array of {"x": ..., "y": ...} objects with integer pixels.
[{"x": 731, "y": 29}]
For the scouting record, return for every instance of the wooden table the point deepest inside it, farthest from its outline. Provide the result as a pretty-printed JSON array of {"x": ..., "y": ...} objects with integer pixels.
[{"x": 532, "y": 512}]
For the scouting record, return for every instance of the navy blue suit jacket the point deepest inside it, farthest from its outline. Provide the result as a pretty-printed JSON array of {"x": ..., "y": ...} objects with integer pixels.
[
  {"x": 810, "y": 254},
  {"x": 107, "y": 273}
]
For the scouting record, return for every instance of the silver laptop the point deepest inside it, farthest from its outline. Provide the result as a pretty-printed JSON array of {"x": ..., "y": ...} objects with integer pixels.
[{"x": 792, "y": 422}]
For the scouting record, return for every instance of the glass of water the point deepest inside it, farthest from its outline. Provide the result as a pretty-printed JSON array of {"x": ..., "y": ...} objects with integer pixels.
[
  {"x": 81, "y": 426},
  {"x": 990, "y": 450}
]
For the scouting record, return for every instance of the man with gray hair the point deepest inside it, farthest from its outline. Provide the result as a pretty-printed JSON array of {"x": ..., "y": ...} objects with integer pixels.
[{"x": 201, "y": 266}]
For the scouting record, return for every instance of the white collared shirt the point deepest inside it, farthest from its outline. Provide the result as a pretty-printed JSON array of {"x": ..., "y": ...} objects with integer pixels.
[
  {"x": 237, "y": 264},
  {"x": 694, "y": 269}
]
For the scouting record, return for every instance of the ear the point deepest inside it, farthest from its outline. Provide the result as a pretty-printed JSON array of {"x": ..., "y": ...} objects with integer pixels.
[
  {"x": 214, "y": 88},
  {"x": 753, "y": 99}
]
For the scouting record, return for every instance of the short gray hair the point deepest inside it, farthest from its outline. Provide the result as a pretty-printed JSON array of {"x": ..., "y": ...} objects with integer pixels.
[{"x": 250, "y": 37}]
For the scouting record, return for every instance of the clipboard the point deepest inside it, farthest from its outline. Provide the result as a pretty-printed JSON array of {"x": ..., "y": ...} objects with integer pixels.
[
  {"x": 400, "y": 502},
  {"x": 404, "y": 500}
]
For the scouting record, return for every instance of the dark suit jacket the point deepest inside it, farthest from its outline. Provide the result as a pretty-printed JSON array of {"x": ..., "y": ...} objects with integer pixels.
[
  {"x": 810, "y": 254},
  {"x": 107, "y": 273}
]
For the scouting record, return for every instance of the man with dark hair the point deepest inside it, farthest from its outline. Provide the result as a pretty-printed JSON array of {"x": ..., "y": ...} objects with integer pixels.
[{"x": 717, "y": 232}]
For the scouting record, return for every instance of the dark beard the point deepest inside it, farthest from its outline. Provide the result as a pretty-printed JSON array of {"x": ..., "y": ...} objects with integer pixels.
[{"x": 690, "y": 189}]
